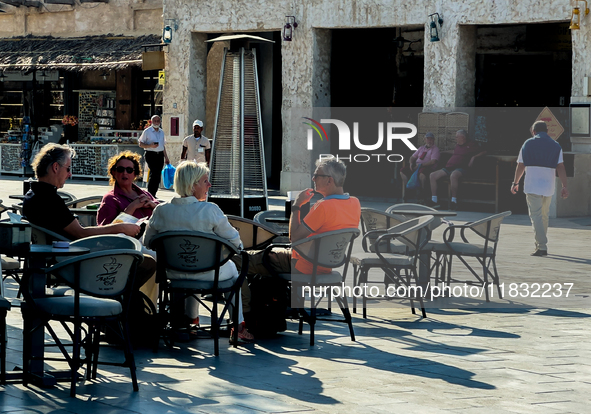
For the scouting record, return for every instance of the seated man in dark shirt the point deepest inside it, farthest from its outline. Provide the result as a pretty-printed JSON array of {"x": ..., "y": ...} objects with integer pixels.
[
  {"x": 465, "y": 152},
  {"x": 42, "y": 205}
]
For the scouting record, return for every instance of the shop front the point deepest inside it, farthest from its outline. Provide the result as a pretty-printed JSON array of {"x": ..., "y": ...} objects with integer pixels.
[{"x": 88, "y": 92}]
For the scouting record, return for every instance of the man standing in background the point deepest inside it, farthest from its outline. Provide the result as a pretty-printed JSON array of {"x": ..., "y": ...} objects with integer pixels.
[
  {"x": 152, "y": 140},
  {"x": 196, "y": 147}
]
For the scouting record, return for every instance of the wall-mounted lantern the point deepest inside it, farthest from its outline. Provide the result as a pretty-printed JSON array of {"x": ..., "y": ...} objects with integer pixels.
[
  {"x": 433, "y": 26},
  {"x": 167, "y": 34},
  {"x": 288, "y": 28},
  {"x": 169, "y": 26},
  {"x": 575, "y": 21}
]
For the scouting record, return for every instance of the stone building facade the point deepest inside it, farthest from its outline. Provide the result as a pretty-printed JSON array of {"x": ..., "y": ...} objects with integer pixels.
[
  {"x": 449, "y": 72},
  {"x": 126, "y": 17}
]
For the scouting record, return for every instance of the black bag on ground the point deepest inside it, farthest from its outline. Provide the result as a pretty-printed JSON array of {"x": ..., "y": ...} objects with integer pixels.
[
  {"x": 143, "y": 321},
  {"x": 268, "y": 305}
]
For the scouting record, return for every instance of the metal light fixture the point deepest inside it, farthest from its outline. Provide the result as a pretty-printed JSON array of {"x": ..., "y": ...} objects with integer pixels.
[
  {"x": 409, "y": 48},
  {"x": 170, "y": 25},
  {"x": 167, "y": 34},
  {"x": 433, "y": 26},
  {"x": 288, "y": 28},
  {"x": 105, "y": 75},
  {"x": 575, "y": 21},
  {"x": 42, "y": 75},
  {"x": 2, "y": 76},
  {"x": 400, "y": 41}
]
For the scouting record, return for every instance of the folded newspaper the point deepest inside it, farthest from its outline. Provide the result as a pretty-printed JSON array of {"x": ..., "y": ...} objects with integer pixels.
[{"x": 128, "y": 218}]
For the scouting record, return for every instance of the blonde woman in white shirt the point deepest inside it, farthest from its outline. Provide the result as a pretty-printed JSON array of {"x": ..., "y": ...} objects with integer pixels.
[{"x": 190, "y": 211}]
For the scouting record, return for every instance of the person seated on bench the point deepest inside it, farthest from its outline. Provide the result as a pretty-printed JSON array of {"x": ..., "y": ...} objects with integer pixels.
[
  {"x": 425, "y": 158},
  {"x": 464, "y": 155}
]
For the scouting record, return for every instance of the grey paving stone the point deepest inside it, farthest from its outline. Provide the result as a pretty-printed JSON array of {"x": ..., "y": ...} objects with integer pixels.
[{"x": 466, "y": 357}]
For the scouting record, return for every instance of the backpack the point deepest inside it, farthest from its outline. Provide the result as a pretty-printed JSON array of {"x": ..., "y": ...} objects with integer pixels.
[{"x": 268, "y": 306}]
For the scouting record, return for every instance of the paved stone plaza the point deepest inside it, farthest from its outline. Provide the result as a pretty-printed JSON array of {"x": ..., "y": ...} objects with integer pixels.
[{"x": 466, "y": 357}]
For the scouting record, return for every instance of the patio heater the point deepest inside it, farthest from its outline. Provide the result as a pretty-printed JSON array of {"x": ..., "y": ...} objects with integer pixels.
[{"x": 238, "y": 178}]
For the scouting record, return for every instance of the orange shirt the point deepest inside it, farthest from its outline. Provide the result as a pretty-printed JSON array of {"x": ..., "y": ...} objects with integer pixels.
[{"x": 326, "y": 215}]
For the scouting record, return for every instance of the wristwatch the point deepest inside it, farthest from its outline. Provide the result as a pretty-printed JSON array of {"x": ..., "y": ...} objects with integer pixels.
[{"x": 295, "y": 208}]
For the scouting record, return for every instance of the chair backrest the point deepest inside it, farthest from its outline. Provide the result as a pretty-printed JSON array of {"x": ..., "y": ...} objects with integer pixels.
[
  {"x": 331, "y": 249},
  {"x": 372, "y": 219},
  {"x": 66, "y": 196},
  {"x": 415, "y": 207},
  {"x": 413, "y": 232},
  {"x": 277, "y": 227},
  {"x": 15, "y": 238},
  {"x": 191, "y": 251},
  {"x": 84, "y": 201},
  {"x": 108, "y": 242},
  {"x": 86, "y": 217},
  {"x": 3, "y": 208},
  {"x": 254, "y": 235},
  {"x": 41, "y": 235},
  {"x": 490, "y": 227},
  {"x": 103, "y": 273}
]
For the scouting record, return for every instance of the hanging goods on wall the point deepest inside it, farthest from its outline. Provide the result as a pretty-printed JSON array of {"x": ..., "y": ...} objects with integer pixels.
[{"x": 238, "y": 178}]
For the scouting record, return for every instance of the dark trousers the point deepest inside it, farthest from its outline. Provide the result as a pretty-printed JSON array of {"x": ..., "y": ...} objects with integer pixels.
[{"x": 155, "y": 161}]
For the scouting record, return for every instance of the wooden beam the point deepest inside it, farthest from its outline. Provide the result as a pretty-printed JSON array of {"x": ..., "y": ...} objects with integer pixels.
[
  {"x": 30, "y": 3},
  {"x": 15, "y": 3},
  {"x": 70, "y": 2}
]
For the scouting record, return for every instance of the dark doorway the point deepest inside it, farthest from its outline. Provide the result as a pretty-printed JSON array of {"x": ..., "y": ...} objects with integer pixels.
[
  {"x": 369, "y": 70},
  {"x": 522, "y": 69}
]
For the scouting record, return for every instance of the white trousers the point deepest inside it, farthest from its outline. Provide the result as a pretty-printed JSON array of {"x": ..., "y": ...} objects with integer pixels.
[
  {"x": 539, "y": 207},
  {"x": 227, "y": 271}
]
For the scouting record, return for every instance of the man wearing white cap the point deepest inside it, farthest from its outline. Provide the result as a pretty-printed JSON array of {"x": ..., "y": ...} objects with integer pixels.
[{"x": 196, "y": 147}]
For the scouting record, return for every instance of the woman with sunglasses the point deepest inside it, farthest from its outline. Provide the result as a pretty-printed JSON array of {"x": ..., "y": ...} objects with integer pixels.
[{"x": 124, "y": 168}]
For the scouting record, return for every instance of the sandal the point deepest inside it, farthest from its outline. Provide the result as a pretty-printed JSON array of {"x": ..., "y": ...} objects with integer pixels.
[{"x": 244, "y": 337}]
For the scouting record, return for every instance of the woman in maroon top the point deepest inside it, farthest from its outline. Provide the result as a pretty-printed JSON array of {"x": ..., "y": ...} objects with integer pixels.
[{"x": 124, "y": 168}]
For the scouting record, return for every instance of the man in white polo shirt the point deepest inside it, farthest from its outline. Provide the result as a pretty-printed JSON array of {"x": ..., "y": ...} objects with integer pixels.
[
  {"x": 152, "y": 140},
  {"x": 196, "y": 147},
  {"x": 541, "y": 159}
]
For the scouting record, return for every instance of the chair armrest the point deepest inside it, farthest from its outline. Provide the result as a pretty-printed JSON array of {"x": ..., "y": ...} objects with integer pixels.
[
  {"x": 372, "y": 233},
  {"x": 387, "y": 237},
  {"x": 449, "y": 233}
]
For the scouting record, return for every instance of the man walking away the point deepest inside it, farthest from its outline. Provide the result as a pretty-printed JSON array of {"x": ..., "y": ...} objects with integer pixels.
[{"x": 540, "y": 158}]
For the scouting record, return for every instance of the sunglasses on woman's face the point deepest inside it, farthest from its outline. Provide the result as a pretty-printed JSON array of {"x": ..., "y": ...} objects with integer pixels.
[{"x": 128, "y": 170}]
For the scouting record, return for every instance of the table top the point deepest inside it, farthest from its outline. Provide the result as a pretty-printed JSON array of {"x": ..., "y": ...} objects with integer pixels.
[
  {"x": 22, "y": 197},
  {"x": 49, "y": 250},
  {"x": 418, "y": 213},
  {"x": 503, "y": 157},
  {"x": 84, "y": 210},
  {"x": 277, "y": 220}
]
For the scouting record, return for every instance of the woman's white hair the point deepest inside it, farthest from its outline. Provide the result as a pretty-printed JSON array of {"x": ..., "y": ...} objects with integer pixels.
[{"x": 187, "y": 174}]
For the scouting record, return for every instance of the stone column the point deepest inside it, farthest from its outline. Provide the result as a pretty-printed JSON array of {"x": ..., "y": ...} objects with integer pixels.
[
  {"x": 450, "y": 67},
  {"x": 185, "y": 88},
  {"x": 306, "y": 85},
  {"x": 581, "y": 68}
]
